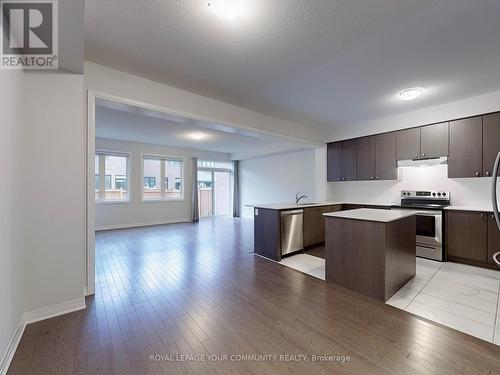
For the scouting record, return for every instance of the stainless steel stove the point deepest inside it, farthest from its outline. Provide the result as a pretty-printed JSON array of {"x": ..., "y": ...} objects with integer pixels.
[{"x": 429, "y": 205}]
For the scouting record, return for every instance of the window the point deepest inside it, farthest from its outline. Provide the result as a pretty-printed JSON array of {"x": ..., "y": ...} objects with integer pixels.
[
  {"x": 163, "y": 178},
  {"x": 114, "y": 168}
]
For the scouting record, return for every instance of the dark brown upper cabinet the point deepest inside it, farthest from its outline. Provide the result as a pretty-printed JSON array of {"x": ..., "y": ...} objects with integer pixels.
[
  {"x": 349, "y": 160},
  {"x": 365, "y": 158},
  {"x": 491, "y": 142},
  {"x": 341, "y": 161},
  {"x": 466, "y": 148},
  {"x": 334, "y": 161},
  {"x": 408, "y": 144},
  {"x": 466, "y": 235},
  {"x": 434, "y": 140},
  {"x": 429, "y": 141},
  {"x": 385, "y": 156}
]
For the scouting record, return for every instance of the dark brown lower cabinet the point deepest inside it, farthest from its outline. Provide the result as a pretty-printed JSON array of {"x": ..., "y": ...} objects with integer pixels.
[
  {"x": 466, "y": 235},
  {"x": 493, "y": 239},
  {"x": 314, "y": 224}
]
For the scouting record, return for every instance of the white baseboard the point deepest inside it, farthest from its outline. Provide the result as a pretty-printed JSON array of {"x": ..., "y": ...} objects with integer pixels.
[
  {"x": 135, "y": 225},
  {"x": 53, "y": 311},
  {"x": 36, "y": 316},
  {"x": 12, "y": 347}
]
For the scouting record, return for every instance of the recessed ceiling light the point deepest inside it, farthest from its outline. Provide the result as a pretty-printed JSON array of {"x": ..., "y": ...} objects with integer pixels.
[
  {"x": 411, "y": 93},
  {"x": 227, "y": 9}
]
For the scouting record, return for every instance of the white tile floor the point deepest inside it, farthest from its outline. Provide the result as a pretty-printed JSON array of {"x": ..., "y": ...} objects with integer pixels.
[
  {"x": 306, "y": 263},
  {"x": 462, "y": 297}
]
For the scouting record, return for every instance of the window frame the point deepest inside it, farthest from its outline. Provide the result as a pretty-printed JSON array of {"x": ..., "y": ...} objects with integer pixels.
[
  {"x": 125, "y": 154},
  {"x": 162, "y": 159}
]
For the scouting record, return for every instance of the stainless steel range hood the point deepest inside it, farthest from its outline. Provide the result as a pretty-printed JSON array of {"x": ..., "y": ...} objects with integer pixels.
[{"x": 423, "y": 162}]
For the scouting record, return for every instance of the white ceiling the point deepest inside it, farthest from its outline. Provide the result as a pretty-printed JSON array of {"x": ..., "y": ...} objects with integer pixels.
[
  {"x": 133, "y": 124},
  {"x": 316, "y": 62}
]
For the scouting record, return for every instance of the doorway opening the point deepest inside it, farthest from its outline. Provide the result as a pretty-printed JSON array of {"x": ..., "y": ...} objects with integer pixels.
[{"x": 214, "y": 188}]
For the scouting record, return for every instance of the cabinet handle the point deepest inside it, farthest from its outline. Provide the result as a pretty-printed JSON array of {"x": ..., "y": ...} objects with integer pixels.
[
  {"x": 487, "y": 173},
  {"x": 477, "y": 174},
  {"x": 482, "y": 216}
]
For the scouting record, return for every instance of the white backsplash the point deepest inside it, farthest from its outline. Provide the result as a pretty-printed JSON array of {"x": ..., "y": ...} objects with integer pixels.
[{"x": 463, "y": 191}]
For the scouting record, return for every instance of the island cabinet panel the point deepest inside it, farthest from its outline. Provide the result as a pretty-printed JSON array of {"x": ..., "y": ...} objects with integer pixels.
[
  {"x": 466, "y": 145},
  {"x": 348, "y": 160},
  {"x": 434, "y": 140},
  {"x": 466, "y": 235},
  {"x": 493, "y": 239},
  {"x": 491, "y": 141},
  {"x": 365, "y": 158},
  {"x": 408, "y": 144},
  {"x": 385, "y": 157},
  {"x": 267, "y": 232},
  {"x": 372, "y": 258}
]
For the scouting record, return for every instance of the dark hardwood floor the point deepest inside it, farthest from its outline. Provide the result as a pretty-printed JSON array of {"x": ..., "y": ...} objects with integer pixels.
[{"x": 198, "y": 289}]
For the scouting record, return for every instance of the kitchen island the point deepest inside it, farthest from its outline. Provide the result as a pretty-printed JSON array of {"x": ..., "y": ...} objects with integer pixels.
[
  {"x": 269, "y": 235},
  {"x": 370, "y": 251}
]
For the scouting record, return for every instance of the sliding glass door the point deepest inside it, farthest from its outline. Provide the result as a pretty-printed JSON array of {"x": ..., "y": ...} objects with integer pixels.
[
  {"x": 205, "y": 193},
  {"x": 214, "y": 193},
  {"x": 222, "y": 193}
]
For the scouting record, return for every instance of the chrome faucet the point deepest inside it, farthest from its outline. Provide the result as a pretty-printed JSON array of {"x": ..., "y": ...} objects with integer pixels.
[{"x": 297, "y": 198}]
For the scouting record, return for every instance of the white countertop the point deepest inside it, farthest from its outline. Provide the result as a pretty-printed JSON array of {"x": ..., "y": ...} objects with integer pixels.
[
  {"x": 293, "y": 206},
  {"x": 372, "y": 214},
  {"x": 481, "y": 208}
]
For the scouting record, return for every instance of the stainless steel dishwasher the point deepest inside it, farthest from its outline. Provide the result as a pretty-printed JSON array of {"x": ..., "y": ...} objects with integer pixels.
[{"x": 292, "y": 235}]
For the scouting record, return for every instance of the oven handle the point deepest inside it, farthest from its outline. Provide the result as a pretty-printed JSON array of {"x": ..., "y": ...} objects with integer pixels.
[{"x": 494, "y": 190}]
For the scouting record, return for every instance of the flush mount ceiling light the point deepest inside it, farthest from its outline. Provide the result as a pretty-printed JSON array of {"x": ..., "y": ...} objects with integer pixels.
[
  {"x": 411, "y": 93},
  {"x": 197, "y": 136},
  {"x": 227, "y": 9}
]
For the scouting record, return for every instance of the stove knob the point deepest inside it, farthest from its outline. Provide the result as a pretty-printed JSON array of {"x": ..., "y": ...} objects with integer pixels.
[
  {"x": 444, "y": 194},
  {"x": 439, "y": 194},
  {"x": 433, "y": 194}
]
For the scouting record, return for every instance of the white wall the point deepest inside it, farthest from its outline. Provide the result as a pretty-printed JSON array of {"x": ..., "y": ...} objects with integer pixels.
[
  {"x": 52, "y": 187},
  {"x": 11, "y": 252},
  {"x": 476, "y": 105},
  {"x": 464, "y": 191},
  {"x": 116, "y": 83},
  {"x": 136, "y": 212},
  {"x": 42, "y": 202},
  {"x": 277, "y": 178}
]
